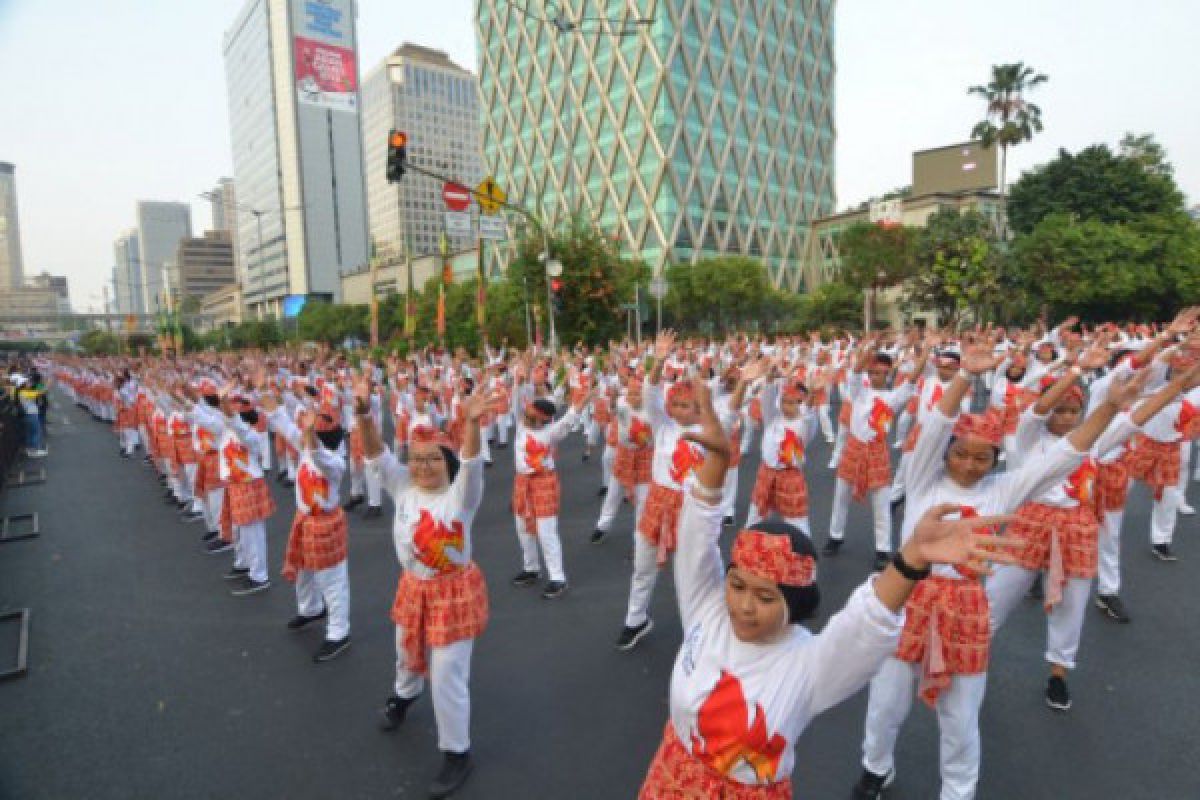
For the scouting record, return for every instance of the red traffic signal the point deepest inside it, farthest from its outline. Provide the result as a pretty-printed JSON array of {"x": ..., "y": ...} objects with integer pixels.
[
  {"x": 556, "y": 285},
  {"x": 397, "y": 156}
]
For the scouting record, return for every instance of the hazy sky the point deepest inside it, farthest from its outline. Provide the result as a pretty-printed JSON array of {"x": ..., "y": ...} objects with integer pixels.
[{"x": 110, "y": 102}]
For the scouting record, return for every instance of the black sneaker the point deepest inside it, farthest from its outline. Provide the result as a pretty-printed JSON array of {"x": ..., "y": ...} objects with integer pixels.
[
  {"x": 280, "y": 477},
  {"x": 453, "y": 774},
  {"x": 1037, "y": 591},
  {"x": 1112, "y": 607},
  {"x": 1057, "y": 695},
  {"x": 895, "y": 504},
  {"x": 182, "y": 505},
  {"x": 882, "y": 559},
  {"x": 598, "y": 536},
  {"x": 586, "y": 455},
  {"x": 1163, "y": 552},
  {"x": 208, "y": 537},
  {"x": 603, "y": 490},
  {"x": 870, "y": 786},
  {"x": 554, "y": 589},
  {"x": 235, "y": 573},
  {"x": 300, "y": 621},
  {"x": 331, "y": 649},
  {"x": 394, "y": 711},
  {"x": 353, "y": 503},
  {"x": 525, "y": 578},
  {"x": 832, "y": 547},
  {"x": 288, "y": 483},
  {"x": 631, "y": 636},
  {"x": 250, "y": 586},
  {"x": 218, "y": 545},
  {"x": 191, "y": 516},
  {"x": 502, "y": 446},
  {"x": 372, "y": 512},
  {"x": 727, "y": 522}
]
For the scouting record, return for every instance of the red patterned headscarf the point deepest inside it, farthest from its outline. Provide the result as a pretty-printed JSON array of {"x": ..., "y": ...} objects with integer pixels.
[
  {"x": 987, "y": 426},
  {"x": 770, "y": 556}
]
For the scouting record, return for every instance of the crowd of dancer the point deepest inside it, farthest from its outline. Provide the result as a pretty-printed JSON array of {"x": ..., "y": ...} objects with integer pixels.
[{"x": 1018, "y": 448}]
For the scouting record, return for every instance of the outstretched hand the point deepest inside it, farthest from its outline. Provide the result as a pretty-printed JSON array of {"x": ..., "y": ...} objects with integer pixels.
[{"x": 966, "y": 541}]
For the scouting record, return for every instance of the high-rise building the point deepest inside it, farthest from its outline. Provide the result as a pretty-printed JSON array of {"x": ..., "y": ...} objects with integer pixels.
[
  {"x": 55, "y": 283},
  {"x": 223, "y": 200},
  {"x": 160, "y": 226},
  {"x": 127, "y": 274},
  {"x": 435, "y": 101},
  {"x": 12, "y": 269},
  {"x": 204, "y": 264},
  {"x": 708, "y": 130},
  {"x": 291, "y": 74}
]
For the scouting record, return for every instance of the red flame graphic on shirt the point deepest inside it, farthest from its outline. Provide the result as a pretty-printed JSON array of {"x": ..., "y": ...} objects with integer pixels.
[
  {"x": 431, "y": 539},
  {"x": 1082, "y": 483},
  {"x": 205, "y": 438},
  {"x": 313, "y": 486},
  {"x": 236, "y": 457},
  {"x": 791, "y": 449},
  {"x": 726, "y": 740},
  {"x": 935, "y": 396},
  {"x": 180, "y": 427},
  {"x": 685, "y": 459},
  {"x": 1189, "y": 417},
  {"x": 880, "y": 418},
  {"x": 535, "y": 453},
  {"x": 640, "y": 433}
]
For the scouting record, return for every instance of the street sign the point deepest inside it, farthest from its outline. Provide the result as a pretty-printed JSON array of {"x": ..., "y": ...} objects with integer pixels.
[
  {"x": 658, "y": 287},
  {"x": 456, "y": 198},
  {"x": 493, "y": 227},
  {"x": 490, "y": 195},
  {"x": 458, "y": 223}
]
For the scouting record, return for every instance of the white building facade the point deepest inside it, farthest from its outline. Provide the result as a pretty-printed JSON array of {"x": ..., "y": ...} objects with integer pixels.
[{"x": 160, "y": 227}]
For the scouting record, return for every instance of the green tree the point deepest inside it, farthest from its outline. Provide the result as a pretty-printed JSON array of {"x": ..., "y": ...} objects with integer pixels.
[
  {"x": 724, "y": 293},
  {"x": 1147, "y": 152},
  {"x": 98, "y": 343},
  {"x": 1092, "y": 184},
  {"x": 1011, "y": 119},
  {"x": 957, "y": 265},
  {"x": 831, "y": 305},
  {"x": 866, "y": 250}
]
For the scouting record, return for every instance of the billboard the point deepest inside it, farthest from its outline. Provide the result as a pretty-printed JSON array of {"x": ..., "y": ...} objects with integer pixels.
[
  {"x": 326, "y": 75},
  {"x": 293, "y": 304},
  {"x": 956, "y": 168}
]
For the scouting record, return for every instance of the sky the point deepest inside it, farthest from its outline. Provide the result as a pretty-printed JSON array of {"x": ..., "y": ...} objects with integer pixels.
[{"x": 107, "y": 103}]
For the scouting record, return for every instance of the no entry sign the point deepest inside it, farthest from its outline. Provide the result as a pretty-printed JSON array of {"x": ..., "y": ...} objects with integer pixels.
[{"x": 455, "y": 197}]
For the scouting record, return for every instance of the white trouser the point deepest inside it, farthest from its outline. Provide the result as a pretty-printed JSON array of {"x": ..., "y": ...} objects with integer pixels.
[
  {"x": 613, "y": 491},
  {"x": 1162, "y": 516},
  {"x": 800, "y": 523},
  {"x": 251, "y": 541},
  {"x": 449, "y": 674},
  {"x": 1108, "y": 566},
  {"x": 184, "y": 477},
  {"x": 879, "y": 507},
  {"x": 748, "y": 428},
  {"x": 372, "y": 481},
  {"x": 640, "y": 492},
  {"x": 641, "y": 585},
  {"x": 326, "y": 589},
  {"x": 591, "y": 433},
  {"x": 197, "y": 502},
  {"x": 1064, "y": 623},
  {"x": 485, "y": 451},
  {"x": 266, "y": 453},
  {"x": 291, "y": 468},
  {"x": 888, "y": 703},
  {"x": 902, "y": 426},
  {"x": 1185, "y": 460},
  {"x": 1196, "y": 471},
  {"x": 729, "y": 492},
  {"x": 213, "y": 499},
  {"x": 551, "y": 546},
  {"x": 502, "y": 423},
  {"x": 838, "y": 446},
  {"x": 1010, "y": 448},
  {"x": 129, "y": 441},
  {"x": 900, "y": 480},
  {"x": 826, "y": 422}
]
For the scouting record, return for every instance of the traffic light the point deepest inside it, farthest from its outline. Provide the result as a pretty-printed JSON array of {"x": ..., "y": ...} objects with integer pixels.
[
  {"x": 556, "y": 297},
  {"x": 397, "y": 155}
]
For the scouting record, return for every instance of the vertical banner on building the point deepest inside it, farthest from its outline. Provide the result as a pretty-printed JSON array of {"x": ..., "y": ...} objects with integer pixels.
[{"x": 325, "y": 66}]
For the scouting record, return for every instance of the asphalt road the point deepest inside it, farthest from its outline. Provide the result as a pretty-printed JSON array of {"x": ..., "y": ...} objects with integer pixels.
[{"x": 148, "y": 679}]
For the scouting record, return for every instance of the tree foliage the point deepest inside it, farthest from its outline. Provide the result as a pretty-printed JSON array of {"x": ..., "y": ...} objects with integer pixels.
[
  {"x": 1011, "y": 119},
  {"x": 956, "y": 266},
  {"x": 866, "y": 249},
  {"x": 831, "y": 305},
  {"x": 1093, "y": 184},
  {"x": 726, "y": 293}
]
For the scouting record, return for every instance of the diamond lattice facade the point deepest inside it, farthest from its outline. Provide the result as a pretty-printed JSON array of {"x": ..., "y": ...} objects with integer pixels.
[{"x": 709, "y": 131}]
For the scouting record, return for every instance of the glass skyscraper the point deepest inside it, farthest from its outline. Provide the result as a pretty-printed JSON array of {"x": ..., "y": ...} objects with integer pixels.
[
  {"x": 709, "y": 131},
  {"x": 12, "y": 268}
]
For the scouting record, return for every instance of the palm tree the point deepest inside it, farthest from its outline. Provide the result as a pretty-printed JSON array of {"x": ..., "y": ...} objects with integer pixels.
[{"x": 1010, "y": 119}]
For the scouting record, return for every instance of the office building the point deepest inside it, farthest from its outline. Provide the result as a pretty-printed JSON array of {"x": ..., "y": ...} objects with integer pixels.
[
  {"x": 55, "y": 283},
  {"x": 160, "y": 226},
  {"x": 707, "y": 131},
  {"x": 204, "y": 265},
  {"x": 12, "y": 269},
  {"x": 127, "y": 257},
  {"x": 291, "y": 75},
  {"x": 435, "y": 101},
  {"x": 223, "y": 201}
]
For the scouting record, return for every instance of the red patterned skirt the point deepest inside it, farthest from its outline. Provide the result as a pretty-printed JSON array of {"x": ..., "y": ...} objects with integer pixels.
[
  {"x": 1061, "y": 541},
  {"x": 1112, "y": 485},
  {"x": 439, "y": 611},
  {"x": 632, "y": 466},
  {"x": 844, "y": 413},
  {"x": 317, "y": 541},
  {"x": 675, "y": 774},
  {"x": 781, "y": 490},
  {"x": 184, "y": 452},
  {"x": 245, "y": 503},
  {"x": 865, "y": 466},
  {"x": 535, "y": 497},
  {"x": 1154, "y": 463},
  {"x": 126, "y": 418},
  {"x": 946, "y": 631},
  {"x": 660, "y": 519},
  {"x": 208, "y": 475}
]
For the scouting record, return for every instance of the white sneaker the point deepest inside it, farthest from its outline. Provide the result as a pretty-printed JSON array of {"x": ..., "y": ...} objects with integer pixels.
[{"x": 1186, "y": 510}]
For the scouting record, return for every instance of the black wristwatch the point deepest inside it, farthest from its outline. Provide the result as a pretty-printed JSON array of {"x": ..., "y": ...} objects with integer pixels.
[{"x": 907, "y": 570}]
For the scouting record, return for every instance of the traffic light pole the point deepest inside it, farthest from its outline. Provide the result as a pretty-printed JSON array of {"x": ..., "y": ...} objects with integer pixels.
[{"x": 530, "y": 216}]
